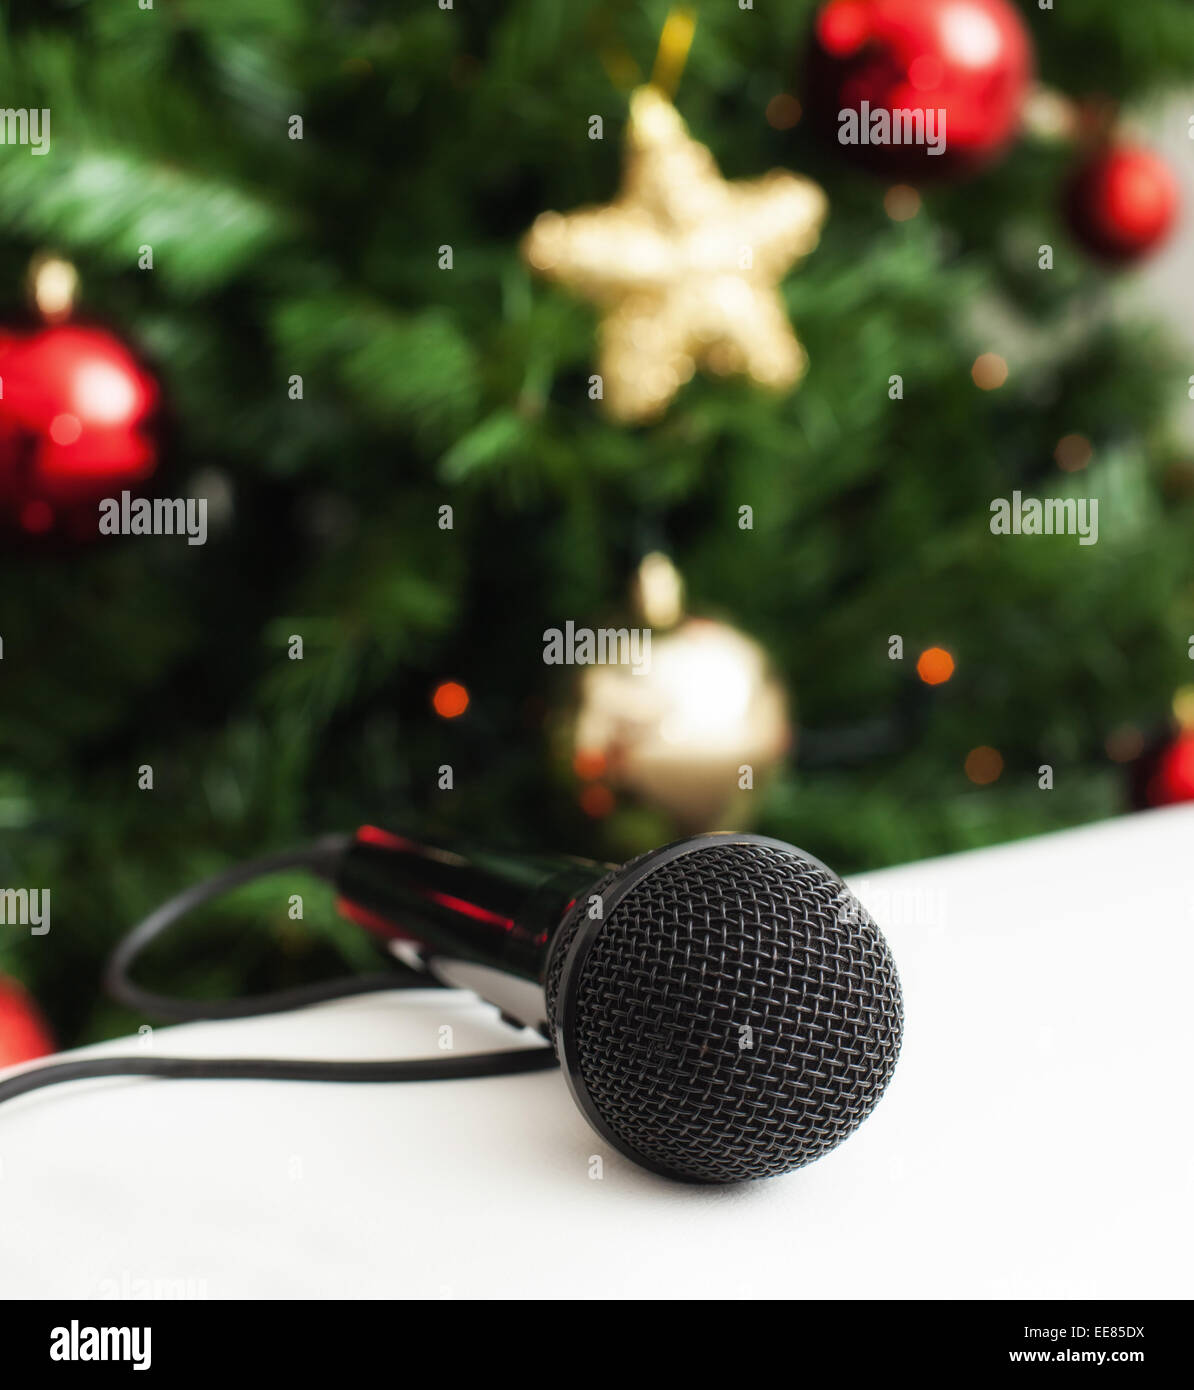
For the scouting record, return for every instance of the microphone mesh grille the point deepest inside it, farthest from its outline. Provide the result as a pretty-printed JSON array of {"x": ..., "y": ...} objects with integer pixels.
[
  {"x": 738, "y": 1015},
  {"x": 564, "y": 937}
]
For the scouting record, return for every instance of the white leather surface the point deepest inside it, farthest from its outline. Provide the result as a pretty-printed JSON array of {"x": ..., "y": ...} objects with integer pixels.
[{"x": 1035, "y": 1141}]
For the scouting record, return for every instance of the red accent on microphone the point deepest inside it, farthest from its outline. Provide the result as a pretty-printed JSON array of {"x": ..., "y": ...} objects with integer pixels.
[
  {"x": 371, "y": 921},
  {"x": 375, "y": 835},
  {"x": 478, "y": 914},
  {"x": 458, "y": 900}
]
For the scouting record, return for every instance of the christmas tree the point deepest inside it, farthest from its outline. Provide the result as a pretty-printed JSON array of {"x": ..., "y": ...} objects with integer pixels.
[{"x": 308, "y": 224}]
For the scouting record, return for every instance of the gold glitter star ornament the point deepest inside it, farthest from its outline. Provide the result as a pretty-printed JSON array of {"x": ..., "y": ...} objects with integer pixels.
[{"x": 685, "y": 266}]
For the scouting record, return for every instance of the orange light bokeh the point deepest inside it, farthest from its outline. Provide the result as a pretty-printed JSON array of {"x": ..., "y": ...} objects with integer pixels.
[
  {"x": 1073, "y": 452},
  {"x": 1125, "y": 744},
  {"x": 984, "y": 765},
  {"x": 901, "y": 201},
  {"x": 989, "y": 371},
  {"x": 935, "y": 666},
  {"x": 597, "y": 801},
  {"x": 450, "y": 700},
  {"x": 783, "y": 111},
  {"x": 589, "y": 764}
]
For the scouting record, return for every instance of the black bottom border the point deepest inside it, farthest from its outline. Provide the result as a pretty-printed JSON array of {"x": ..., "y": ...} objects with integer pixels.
[{"x": 200, "y": 1338}]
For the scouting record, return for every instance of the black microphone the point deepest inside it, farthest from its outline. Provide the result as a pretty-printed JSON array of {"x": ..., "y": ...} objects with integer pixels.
[{"x": 723, "y": 1008}]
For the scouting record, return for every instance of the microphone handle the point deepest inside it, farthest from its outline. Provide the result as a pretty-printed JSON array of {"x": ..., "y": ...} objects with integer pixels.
[{"x": 473, "y": 917}]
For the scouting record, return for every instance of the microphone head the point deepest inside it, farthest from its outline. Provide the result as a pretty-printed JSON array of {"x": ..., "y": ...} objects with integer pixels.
[{"x": 729, "y": 1010}]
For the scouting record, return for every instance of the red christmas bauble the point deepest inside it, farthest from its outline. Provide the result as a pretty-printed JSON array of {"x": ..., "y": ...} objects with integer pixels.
[
  {"x": 1172, "y": 778},
  {"x": 74, "y": 414},
  {"x": 24, "y": 1034},
  {"x": 920, "y": 88},
  {"x": 1122, "y": 203}
]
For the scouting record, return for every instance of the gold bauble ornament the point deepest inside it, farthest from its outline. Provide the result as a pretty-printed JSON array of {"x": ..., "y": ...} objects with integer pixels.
[
  {"x": 693, "y": 734},
  {"x": 685, "y": 266}
]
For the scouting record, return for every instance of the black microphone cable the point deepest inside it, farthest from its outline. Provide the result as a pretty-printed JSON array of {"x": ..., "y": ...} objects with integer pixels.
[{"x": 318, "y": 858}]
